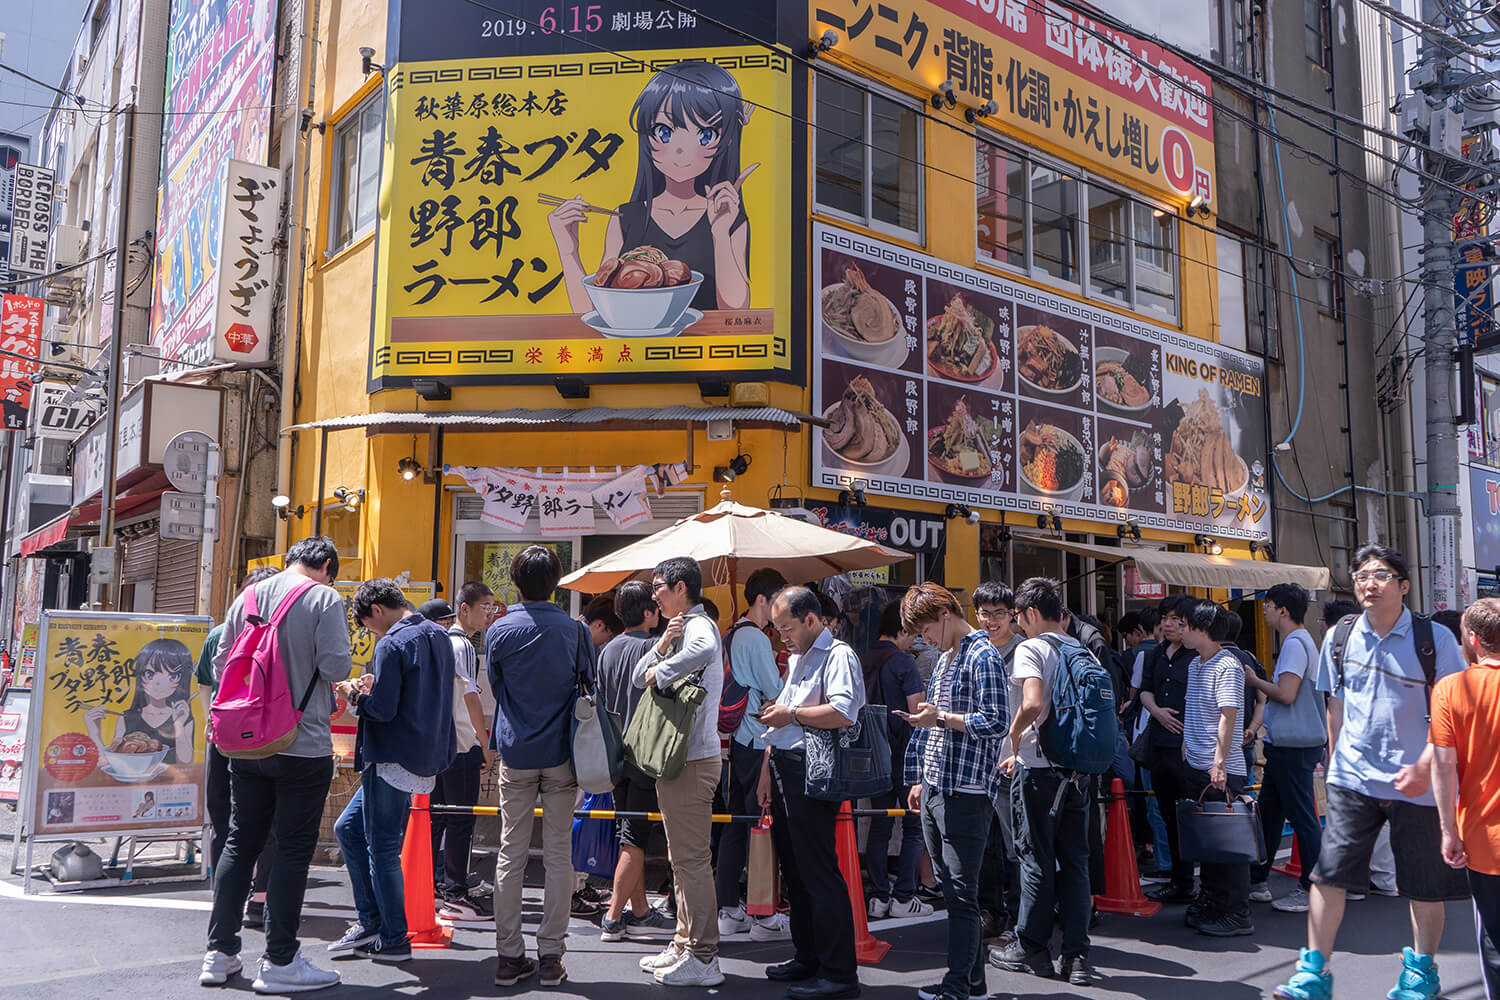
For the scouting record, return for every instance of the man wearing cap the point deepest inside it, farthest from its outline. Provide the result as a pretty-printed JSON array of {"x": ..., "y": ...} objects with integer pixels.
[{"x": 452, "y": 835}]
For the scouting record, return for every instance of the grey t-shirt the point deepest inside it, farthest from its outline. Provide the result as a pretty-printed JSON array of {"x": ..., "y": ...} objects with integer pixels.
[
  {"x": 617, "y": 661},
  {"x": 314, "y": 639}
]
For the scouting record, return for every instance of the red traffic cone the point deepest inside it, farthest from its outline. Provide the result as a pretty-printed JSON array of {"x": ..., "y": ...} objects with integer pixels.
[
  {"x": 416, "y": 878},
  {"x": 867, "y": 948},
  {"x": 1122, "y": 880},
  {"x": 1293, "y": 868}
]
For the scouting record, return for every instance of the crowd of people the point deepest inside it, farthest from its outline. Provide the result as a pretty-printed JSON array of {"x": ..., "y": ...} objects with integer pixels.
[{"x": 1002, "y": 826}]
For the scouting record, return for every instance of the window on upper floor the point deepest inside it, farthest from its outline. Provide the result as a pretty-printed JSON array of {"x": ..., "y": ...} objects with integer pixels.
[
  {"x": 356, "y": 174},
  {"x": 1315, "y": 30},
  {"x": 1326, "y": 266},
  {"x": 1037, "y": 218},
  {"x": 1262, "y": 330},
  {"x": 869, "y": 158}
]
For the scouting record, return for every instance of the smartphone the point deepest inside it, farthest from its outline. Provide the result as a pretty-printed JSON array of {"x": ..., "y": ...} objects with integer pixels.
[{"x": 900, "y": 714}]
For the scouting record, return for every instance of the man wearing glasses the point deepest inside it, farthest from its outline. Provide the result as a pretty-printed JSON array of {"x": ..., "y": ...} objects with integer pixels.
[{"x": 1379, "y": 772}]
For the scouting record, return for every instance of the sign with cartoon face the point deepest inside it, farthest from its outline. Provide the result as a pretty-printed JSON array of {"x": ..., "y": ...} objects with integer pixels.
[{"x": 605, "y": 200}]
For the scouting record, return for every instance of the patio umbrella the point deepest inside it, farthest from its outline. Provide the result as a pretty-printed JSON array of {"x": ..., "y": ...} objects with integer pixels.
[{"x": 730, "y": 542}]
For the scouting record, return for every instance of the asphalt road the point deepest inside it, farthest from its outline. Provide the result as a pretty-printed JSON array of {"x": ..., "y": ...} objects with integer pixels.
[{"x": 145, "y": 943}]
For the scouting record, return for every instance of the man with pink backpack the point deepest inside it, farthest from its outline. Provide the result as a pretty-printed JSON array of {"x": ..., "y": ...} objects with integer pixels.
[{"x": 273, "y": 724}]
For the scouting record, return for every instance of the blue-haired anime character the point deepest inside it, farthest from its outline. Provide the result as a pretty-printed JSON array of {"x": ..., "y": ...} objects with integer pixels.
[{"x": 686, "y": 201}]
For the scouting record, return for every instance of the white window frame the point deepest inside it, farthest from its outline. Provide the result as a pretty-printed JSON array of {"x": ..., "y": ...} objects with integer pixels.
[
  {"x": 351, "y": 121},
  {"x": 869, "y": 221},
  {"x": 1083, "y": 180}
]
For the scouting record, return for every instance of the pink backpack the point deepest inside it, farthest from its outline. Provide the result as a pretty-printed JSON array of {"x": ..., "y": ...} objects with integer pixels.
[{"x": 252, "y": 715}]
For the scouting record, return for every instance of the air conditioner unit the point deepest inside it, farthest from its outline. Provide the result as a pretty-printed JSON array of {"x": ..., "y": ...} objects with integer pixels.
[{"x": 68, "y": 244}]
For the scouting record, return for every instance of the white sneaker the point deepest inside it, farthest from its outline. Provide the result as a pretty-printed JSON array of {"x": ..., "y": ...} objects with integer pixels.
[
  {"x": 665, "y": 959},
  {"x": 1260, "y": 892},
  {"x": 733, "y": 921},
  {"x": 913, "y": 907},
  {"x": 218, "y": 967},
  {"x": 297, "y": 976},
  {"x": 880, "y": 909},
  {"x": 1293, "y": 902},
  {"x": 692, "y": 972},
  {"x": 776, "y": 927}
]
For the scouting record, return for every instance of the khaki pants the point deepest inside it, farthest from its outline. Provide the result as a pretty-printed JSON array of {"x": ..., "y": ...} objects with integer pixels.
[
  {"x": 687, "y": 803},
  {"x": 518, "y": 794}
]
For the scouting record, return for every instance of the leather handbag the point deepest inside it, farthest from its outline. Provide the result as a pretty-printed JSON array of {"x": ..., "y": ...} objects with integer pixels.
[
  {"x": 850, "y": 763},
  {"x": 1220, "y": 833}
]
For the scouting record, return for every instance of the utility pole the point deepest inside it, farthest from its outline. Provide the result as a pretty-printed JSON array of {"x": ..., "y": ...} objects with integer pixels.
[{"x": 105, "y": 575}]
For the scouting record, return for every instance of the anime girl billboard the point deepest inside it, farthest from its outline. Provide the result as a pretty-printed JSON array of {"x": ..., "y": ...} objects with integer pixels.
[{"x": 592, "y": 218}]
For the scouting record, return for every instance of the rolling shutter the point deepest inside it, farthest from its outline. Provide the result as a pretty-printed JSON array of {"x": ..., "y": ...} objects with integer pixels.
[{"x": 176, "y": 577}]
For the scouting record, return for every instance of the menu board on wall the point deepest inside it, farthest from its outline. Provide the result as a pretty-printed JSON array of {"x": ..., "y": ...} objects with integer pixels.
[{"x": 951, "y": 384}]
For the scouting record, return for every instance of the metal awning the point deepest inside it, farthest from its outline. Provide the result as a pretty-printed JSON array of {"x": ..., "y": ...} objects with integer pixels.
[
  {"x": 562, "y": 419},
  {"x": 1194, "y": 569}
]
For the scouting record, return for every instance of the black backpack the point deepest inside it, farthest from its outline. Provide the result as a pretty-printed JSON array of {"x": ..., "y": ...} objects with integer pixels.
[
  {"x": 736, "y": 696},
  {"x": 1421, "y": 637}
]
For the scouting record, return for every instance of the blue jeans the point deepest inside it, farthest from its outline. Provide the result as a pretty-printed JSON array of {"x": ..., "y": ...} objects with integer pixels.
[
  {"x": 1286, "y": 795},
  {"x": 370, "y": 833},
  {"x": 910, "y": 858},
  {"x": 956, "y": 828},
  {"x": 1158, "y": 826}
]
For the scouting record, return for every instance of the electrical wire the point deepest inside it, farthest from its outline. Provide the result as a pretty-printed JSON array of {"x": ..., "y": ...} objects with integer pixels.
[
  {"x": 923, "y": 165},
  {"x": 42, "y": 83},
  {"x": 1286, "y": 231},
  {"x": 17, "y": 282}
]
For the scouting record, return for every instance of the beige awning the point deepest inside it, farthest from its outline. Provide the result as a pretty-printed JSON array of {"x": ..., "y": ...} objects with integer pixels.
[{"x": 1195, "y": 569}]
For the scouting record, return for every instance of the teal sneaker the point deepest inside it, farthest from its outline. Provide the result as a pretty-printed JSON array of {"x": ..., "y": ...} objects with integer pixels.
[
  {"x": 1311, "y": 981},
  {"x": 1419, "y": 978}
]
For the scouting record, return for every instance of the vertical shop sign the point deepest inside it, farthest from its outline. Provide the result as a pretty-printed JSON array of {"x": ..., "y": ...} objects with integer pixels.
[
  {"x": 220, "y": 60},
  {"x": 21, "y": 344},
  {"x": 247, "y": 263},
  {"x": 15, "y": 710},
  {"x": 31, "y": 219}
]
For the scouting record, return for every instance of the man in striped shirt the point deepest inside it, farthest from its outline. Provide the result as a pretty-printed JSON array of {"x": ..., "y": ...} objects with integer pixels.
[{"x": 1212, "y": 725}]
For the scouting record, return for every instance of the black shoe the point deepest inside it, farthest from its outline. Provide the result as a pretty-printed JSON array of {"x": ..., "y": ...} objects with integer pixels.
[
  {"x": 1015, "y": 958},
  {"x": 1095, "y": 918},
  {"x": 385, "y": 954},
  {"x": 1172, "y": 892},
  {"x": 255, "y": 913},
  {"x": 1197, "y": 914},
  {"x": 791, "y": 972},
  {"x": 937, "y": 991},
  {"x": 1227, "y": 925},
  {"x": 930, "y": 894},
  {"x": 582, "y": 907},
  {"x": 1076, "y": 970},
  {"x": 822, "y": 989}
]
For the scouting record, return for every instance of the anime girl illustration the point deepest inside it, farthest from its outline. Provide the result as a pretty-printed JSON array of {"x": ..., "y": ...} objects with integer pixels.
[
  {"x": 161, "y": 714},
  {"x": 686, "y": 202}
]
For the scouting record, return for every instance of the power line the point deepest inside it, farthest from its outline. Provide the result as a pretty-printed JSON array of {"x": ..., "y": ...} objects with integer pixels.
[
  {"x": 42, "y": 83},
  {"x": 923, "y": 165}
]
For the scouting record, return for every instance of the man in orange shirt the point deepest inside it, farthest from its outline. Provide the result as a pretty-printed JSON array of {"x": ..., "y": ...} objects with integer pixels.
[{"x": 1466, "y": 775}]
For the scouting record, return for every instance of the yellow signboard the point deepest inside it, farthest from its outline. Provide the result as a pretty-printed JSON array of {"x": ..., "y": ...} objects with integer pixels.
[
  {"x": 1108, "y": 98},
  {"x": 594, "y": 215},
  {"x": 117, "y": 742}
]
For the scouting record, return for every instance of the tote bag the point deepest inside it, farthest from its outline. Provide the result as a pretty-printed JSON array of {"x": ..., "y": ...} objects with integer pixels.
[
  {"x": 596, "y": 847},
  {"x": 1220, "y": 833},
  {"x": 850, "y": 763}
]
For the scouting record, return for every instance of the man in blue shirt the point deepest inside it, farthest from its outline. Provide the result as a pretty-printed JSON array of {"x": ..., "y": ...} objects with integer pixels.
[
  {"x": 1379, "y": 772},
  {"x": 752, "y": 662},
  {"x": 406, "y": 738},
  {"x": 536, "y": 656}
]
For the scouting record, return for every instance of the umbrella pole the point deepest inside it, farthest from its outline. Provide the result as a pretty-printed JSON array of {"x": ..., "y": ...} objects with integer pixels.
[{"x": 734, "y": 592}]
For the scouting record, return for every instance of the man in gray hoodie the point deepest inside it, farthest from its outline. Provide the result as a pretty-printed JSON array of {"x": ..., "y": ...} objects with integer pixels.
[{"x": 289, "y": 788}]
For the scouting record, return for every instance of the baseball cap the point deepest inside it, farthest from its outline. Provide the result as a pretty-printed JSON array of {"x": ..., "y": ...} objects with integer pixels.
[{"x": 435, "y": 610}]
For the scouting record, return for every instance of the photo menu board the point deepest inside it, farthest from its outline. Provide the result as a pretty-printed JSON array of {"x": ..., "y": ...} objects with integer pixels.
[{"x": 951, "y": 384}]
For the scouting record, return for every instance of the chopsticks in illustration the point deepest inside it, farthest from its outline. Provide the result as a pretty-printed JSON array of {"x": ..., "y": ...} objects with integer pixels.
[{"x": 554, "y": 200}]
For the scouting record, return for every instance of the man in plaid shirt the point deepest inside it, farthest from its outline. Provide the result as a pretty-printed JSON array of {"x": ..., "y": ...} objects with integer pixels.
[{"x": 953, "y": 766}]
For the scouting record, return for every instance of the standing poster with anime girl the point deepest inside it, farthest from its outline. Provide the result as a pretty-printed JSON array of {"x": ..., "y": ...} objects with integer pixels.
[
  {"x": 119, "y": 736},
  {"x": 685, "y": 222}
]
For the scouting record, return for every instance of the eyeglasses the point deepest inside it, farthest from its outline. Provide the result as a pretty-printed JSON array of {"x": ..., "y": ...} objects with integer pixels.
[
  {"x": 657, "y": 585},
  {"x": 1375, "y": 576},
  {"x": 996, "y": 614}
]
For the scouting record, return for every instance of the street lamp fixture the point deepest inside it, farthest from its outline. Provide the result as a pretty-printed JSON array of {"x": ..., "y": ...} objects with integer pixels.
[
  {"x": 351, "y": 499},
  {"x": 1209, "y": 544},
  {"x": 285, "y": 510},
  {"x": 944, "y": 95},
  {"x": 409, "y": 468}
]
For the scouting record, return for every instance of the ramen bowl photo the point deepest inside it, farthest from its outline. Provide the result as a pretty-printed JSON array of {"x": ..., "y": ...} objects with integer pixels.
[
  {"x": 133, "y": 765},
  {"x": 642, "y": 308}
]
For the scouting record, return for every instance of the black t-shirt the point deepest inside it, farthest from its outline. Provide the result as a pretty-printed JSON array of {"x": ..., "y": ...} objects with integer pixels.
[
  {"x": 1167, "y": 679},
  {"x": 1247, "y": 657}
]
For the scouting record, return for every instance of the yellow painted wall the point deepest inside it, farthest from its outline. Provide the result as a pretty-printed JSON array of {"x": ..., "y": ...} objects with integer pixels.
[{"x": 393, "y": 530}]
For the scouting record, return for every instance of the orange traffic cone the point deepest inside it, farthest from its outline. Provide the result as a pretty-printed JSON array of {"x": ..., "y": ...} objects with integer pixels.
[
  {"x": 1122, "y": 880},
  {"x": 416, "y": 877},
  {"x": 1293, "y": 868},
  {"x": 867, "y": 948}
]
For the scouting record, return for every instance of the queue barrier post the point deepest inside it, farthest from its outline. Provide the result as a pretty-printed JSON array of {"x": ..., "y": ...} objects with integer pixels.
[
  {"x": 1122, "y": 880},
  {"x": 868, "y": 949},
  {"x": 1293, "y": 867},
  {"x": 416, "y": 877}
]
